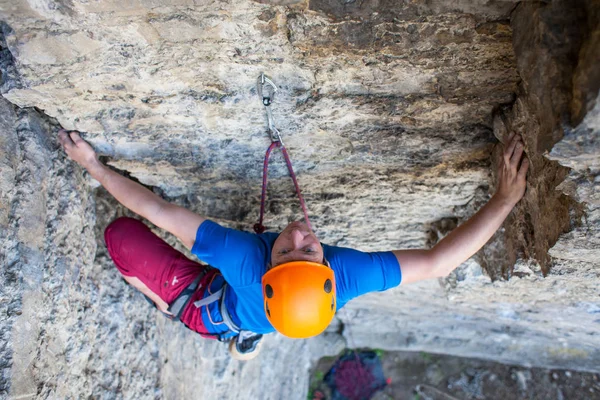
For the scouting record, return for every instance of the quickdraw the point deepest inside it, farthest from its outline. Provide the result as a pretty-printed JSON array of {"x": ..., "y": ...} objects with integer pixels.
[{"x": 266, "y": 91}]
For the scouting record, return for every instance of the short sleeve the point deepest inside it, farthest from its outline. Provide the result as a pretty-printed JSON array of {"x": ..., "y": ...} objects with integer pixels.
[
  {"x": 240, "y": 256},
  {"x": 358, "y": 272}
]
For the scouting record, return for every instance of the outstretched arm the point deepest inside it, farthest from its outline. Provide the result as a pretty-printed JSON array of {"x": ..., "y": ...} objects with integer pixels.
[
  {"x": 176, "y": 220},
  {"x": 468, "y": 238}
]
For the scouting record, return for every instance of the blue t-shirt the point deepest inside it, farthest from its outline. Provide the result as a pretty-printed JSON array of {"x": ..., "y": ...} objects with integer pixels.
[{"x": 242, "y": 258}]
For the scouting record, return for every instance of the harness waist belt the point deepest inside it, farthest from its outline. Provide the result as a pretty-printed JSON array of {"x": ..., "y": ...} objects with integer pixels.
[
  {"x": 176, "y": 308},
  {"x": 225, "y": 314},
  {"x": 219, "y": 296},
  {"x": 209, "y": 299}
]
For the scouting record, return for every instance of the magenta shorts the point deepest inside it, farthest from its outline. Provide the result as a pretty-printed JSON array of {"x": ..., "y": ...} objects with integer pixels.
[{"x": 137, "y": 252}]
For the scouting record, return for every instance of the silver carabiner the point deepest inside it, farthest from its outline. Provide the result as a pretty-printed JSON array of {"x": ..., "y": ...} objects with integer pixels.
[
  {"x": 273, "y": 132},
  {"x": 266, "y": 89}
]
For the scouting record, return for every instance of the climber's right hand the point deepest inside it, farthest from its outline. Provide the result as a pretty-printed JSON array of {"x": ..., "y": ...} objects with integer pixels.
[{"x": 77, "y": 149}]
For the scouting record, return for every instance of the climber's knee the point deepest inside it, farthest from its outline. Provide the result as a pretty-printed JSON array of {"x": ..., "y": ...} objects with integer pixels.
[{"x": 121, "y": 229}]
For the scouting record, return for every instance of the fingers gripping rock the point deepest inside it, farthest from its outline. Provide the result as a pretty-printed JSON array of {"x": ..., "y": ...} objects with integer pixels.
[{"x": 77, "y": 148}]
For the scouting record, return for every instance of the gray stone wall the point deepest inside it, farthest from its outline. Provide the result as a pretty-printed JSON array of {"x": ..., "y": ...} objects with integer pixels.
[
  {"x": 392, "y": 113},
  {"x": 48, "y": 246}
]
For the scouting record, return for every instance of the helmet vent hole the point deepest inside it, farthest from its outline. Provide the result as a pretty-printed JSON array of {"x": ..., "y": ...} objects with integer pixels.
[
  {"x": 269, "y": 291},
  {"x": 332, "y": 303},
  {"x": 328, "y": 286},
  {"x": 268, "y": 311}
]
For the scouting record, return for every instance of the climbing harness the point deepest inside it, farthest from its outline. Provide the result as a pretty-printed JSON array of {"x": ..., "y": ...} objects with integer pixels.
[
  {"x": 180, "y": 303},
  {"x": 266, "y": 91},
  {"x": 219, "y": 296}
]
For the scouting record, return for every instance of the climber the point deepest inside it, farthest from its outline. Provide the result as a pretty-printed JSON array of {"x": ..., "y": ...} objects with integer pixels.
[{"x": 260, "y": 283}]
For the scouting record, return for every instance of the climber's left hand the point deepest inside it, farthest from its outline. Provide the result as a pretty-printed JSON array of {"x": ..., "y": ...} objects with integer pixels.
[
  {"x": 512, "y": 171},
  {"x": 464, "y": 241}
]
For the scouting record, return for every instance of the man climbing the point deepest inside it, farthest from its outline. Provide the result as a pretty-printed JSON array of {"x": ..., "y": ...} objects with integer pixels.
[{"x": 260, "y": 283}]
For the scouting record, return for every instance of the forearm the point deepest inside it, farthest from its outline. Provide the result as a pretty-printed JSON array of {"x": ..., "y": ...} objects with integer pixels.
[
  {"x": 176, "y": 220},
  {"x": 468, "y": 238},
  {"x": 127, "y": 192}
]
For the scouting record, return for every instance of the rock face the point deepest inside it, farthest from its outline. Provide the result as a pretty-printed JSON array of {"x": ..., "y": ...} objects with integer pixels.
[
  {"x": 390, "y": 111},
  {"x": 48, "y": 245}
]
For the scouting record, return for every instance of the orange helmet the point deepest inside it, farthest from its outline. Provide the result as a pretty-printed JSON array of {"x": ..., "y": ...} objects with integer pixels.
[{"x": 299, "y": 298}]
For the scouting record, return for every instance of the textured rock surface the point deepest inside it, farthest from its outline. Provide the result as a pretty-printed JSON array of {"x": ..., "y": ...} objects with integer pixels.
[
  {"x": 389, "y": 110},
  {"x": 48, "y": 247}
]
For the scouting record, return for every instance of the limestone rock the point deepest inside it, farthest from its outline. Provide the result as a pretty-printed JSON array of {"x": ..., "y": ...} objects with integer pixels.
[{"x": 391, "y": 112}]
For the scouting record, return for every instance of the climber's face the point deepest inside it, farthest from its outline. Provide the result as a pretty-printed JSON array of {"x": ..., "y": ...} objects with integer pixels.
[{"x": 296, "y": 243}]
